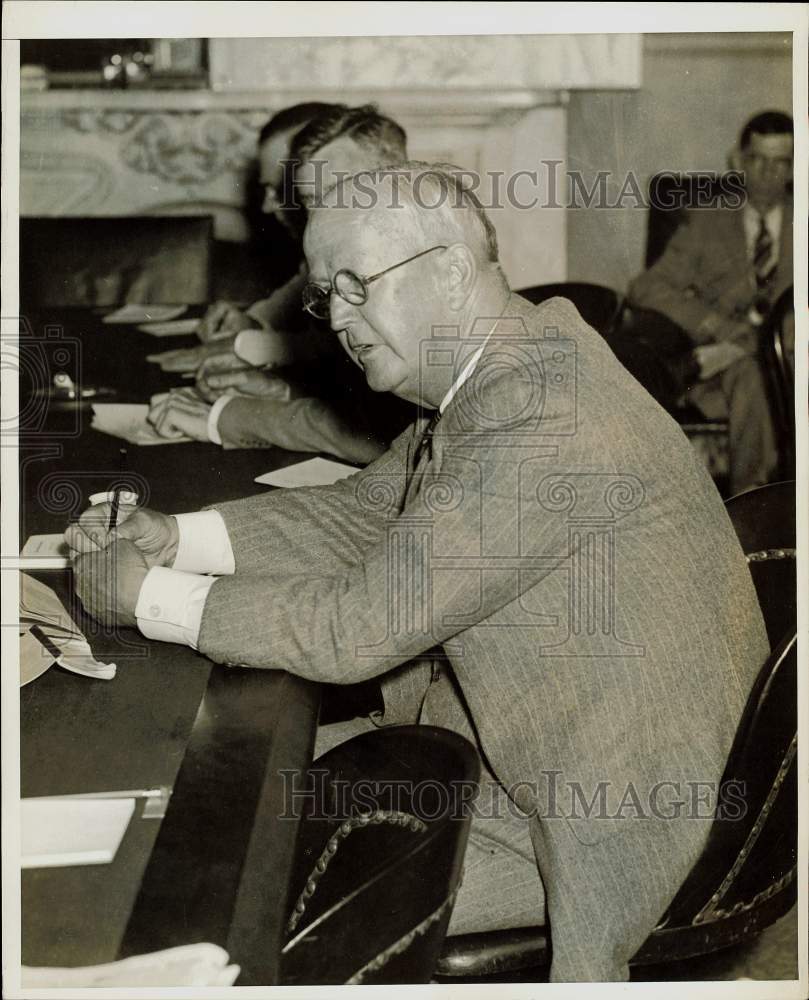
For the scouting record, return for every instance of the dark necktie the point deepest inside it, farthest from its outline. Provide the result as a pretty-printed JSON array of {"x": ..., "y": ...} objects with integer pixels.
[
  {"x": 762, "y": 254},
  {"x": 424, "y": 446}
]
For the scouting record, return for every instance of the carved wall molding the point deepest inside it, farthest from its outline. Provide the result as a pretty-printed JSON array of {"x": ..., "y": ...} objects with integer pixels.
[
  {"x": 499, "y": 62},
  {"x": 102, "y": 153},
  {"x": 62, "y": 183},
  {"x": 184, "y": 147}
]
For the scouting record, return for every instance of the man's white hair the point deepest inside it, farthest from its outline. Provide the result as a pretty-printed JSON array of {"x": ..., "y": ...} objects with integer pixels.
[{"x": 436, "y": 197}]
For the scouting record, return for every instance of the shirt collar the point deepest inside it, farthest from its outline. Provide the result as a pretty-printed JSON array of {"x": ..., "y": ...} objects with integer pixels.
[
  {"x": 466, "y": 373},
  {"x": 772, "y": 219}
]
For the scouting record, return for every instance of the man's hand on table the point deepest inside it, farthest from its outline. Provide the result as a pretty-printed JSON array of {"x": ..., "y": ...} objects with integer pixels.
[
  {"x": 154, "y": 535},
  {"x": 188, "y": 359},
  {"x": 180, "y": 413},
  {"x": 108, "y": 582},
  {"x": 245, "y": 381},
  {"x": 222, "y": 320}
]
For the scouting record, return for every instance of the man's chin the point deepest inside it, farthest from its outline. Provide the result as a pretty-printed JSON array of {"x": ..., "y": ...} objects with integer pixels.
[{"x": 380, "y": 381}]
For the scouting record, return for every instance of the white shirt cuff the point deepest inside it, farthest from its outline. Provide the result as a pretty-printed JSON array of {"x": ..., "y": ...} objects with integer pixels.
[
  {"x": 170, "y": 605},
  {"x": 204, "y": 546},
  {"x": 213, "y": 418}
]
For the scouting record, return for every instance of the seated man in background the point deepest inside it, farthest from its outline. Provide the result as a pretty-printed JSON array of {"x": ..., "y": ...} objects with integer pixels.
[
  {"x": 541, "y": 484},
  {"x": 225, "y": 319},
  {"x": 718, "y": 278},
  {"x": 241, "y": 406}
]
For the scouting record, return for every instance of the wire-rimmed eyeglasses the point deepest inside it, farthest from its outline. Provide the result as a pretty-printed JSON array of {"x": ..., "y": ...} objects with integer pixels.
[{"x": 349, "y": 285}]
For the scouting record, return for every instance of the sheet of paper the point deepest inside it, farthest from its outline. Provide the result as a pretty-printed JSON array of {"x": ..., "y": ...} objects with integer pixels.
[
  {"x": 128, "y": 421},
  {"x": 71, "y": 831},
  {"x": 44, "y": 552},
  {"x": 314, "y": 472},
  {"x": 134, "y": 313},
  {"x": 188, "y": 965},
  {"x": 171, "y": 328}
]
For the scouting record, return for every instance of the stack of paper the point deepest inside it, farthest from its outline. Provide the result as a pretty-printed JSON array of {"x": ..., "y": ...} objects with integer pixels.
[
  {"x": 131, "y": 314},
  {"x": 171, "y": 328},
  {"x": 314, "y": 472},
  {"x": 44, "y": 552},
  {"x": 56, "y": 832}
]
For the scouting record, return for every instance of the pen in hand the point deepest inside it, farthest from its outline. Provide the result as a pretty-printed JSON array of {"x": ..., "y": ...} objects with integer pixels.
[{"x": 116, "y": 496}]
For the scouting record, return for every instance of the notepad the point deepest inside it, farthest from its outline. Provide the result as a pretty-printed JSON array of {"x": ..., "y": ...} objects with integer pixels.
[
  {"x": 44, "y": 552},
  {"x": 128, "y": 421},
  {"x": 171, "y": 328},
  {"x": 314, "y": 472},
  {"x": 134, "y": 313},
  {"x": 71, "y": 831}
]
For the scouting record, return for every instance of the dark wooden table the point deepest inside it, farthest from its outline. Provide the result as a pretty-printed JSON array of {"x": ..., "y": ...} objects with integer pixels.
[{"x": 215, "y": 867}]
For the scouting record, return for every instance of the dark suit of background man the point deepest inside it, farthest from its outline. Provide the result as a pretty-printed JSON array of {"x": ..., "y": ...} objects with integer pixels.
[
  {"x": 549, "y": 527},
  {"x": 719, "y": 276},
  {"x": 335, "y": 412}
]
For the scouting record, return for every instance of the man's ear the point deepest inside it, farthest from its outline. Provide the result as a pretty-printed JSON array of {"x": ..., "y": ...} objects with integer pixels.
[
  {"x": 735, "y": 160},
  {"x": 462, "y": 271}
]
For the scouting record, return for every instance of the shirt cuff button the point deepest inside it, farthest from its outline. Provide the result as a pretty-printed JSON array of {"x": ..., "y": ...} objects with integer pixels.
[{"x": 154, "y": 610}]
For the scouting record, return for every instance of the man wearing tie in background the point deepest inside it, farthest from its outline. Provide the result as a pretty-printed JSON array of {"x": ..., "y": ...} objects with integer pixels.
[
  {"x": 720, "y": 275},
  {"x": 596, "y": 617}
]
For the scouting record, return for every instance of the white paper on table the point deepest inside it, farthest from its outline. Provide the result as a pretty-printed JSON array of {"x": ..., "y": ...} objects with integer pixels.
[
  {"x": 200, "y": 965},
  {"x": 128, "y": 421},
  {"x": 56, "y": 832},
  {"x": 45, "y": 552},
  {"x": 171, "y": 328},
  {"x": 314, "y": 472},
  {"x": 134, "y": 313}
]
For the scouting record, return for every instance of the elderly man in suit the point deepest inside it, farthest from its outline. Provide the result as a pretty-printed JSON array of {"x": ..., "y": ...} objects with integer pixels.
[
  {"x": 718, "y": 278},
  {"x": 544, "y": 524}
]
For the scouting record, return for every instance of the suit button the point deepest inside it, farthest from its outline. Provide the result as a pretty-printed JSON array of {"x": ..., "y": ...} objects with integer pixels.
[{"x": 154, "y": 610}]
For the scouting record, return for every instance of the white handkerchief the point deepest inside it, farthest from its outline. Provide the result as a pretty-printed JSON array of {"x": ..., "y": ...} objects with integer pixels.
[
  {"x": 134, "y": 313},
  {"x": 128, "y": 421},
  {"x": 49, "y": 635},
  {"x": 314, "y": 472},
  {"x": 190, "y": 965},
  {"x": 171, "y": 328}
]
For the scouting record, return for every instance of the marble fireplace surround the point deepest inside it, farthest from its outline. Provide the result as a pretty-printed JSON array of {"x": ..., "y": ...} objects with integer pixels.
[{"x": 487, "y": 103}]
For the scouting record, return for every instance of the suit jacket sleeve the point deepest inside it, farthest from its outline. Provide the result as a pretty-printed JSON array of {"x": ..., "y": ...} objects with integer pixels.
[
  {"x": 306, "y": 424},
  {"x": 283, "y": 309},
  {"x": 339, "y": 611},
  {"x": 669, "y": 285}
]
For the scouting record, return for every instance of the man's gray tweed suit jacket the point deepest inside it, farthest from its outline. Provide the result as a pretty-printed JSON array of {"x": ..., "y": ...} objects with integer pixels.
[{"x": 560, "y": 539}]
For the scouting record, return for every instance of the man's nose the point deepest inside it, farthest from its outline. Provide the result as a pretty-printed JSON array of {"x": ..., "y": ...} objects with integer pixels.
[
  {"x": 270, "y": 204},
  {"x": 340, "y": 312}
]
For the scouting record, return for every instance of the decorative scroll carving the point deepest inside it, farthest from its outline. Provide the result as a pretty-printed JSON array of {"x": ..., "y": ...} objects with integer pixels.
[
  {"x": 188, "y": 147},
  {"x": 62, "y": 183}
]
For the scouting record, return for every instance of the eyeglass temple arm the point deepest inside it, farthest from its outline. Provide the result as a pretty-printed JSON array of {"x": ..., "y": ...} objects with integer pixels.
[{"x": 373, "y": 277}]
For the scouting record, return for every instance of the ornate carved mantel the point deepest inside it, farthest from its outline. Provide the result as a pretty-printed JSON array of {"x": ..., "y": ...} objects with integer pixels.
[{"x": 488, "y": 103}]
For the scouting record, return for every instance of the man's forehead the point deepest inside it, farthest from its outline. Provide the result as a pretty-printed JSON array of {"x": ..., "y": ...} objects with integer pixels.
[
  {"x": 774, "y": 145},
  {"x": 345, "y": 234}
]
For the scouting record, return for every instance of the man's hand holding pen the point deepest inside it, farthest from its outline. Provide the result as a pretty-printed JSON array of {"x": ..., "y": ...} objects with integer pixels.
[{"x": 110, "y": 565}]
